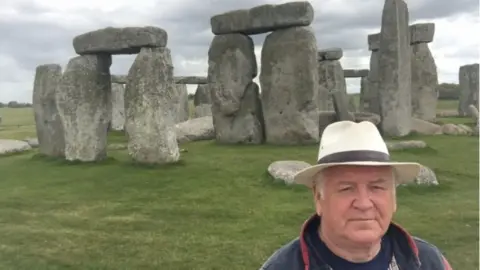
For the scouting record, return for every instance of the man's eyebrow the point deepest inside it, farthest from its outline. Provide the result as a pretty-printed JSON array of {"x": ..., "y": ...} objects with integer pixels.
[{"x": 379, "y": 181}]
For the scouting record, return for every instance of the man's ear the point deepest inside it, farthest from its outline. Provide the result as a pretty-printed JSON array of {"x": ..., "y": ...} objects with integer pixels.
[{"x": 316, "y": 201}]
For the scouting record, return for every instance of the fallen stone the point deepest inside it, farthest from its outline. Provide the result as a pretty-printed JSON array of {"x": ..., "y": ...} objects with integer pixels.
[
  {"x": 374, "y": 42},
  {"x": 33, "y": 142},
  {"x": 424, "y": 82},
  {"x": 426, "y": 128},
  {"x": 468, "y": 130},
  {"x": 285, "y": 170},
  {"x": 426, "y": 176},
  {"x": 84, "y": 104},
  {"x": 48, "y": 123},
  {"x": 150, "y": 108},
  {"x": 202, "y": 95},
  {"x": 196, "y": 129},
  {"x": 355, "y": 73},
  {"x": 236, "y": 107},
  {"x": 181, "y": 101},
  {"x": 13, "y": 146},
  {"x": 452, "y": 129},
  {"x": 402, "y": 145},
  {"x": 117, "y": 146},
  {"x": 118, "y": 107},
  {"x": 469, "y": 85},
  {"x": 330, "y": 54},
  {"x": 473, "y": 112},
  {"x": 395, "y": 70},
  {"x": 126, "y": 40},
  {"x": 191, "y": 80},
  {"x": 447, "y": 113},
  {"x": 120, "y": 79},
  {"x": 421, "y": 33},
  {"x": 289, "y": 81},
  {"x": 263, "y": 19}
]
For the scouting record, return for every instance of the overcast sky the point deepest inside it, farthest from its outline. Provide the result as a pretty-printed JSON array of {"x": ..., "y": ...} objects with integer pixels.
[{"x": 35, "y": 32}]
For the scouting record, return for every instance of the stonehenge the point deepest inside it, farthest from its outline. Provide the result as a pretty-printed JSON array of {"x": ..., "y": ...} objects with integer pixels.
[{"x": 301, "y": 88}]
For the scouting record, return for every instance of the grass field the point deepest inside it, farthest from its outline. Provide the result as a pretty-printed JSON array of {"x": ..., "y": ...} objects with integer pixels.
[{"x": 217, "y": 209}]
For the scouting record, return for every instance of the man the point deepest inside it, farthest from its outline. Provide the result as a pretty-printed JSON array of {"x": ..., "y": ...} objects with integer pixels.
[{"x": 353, "y": 187}]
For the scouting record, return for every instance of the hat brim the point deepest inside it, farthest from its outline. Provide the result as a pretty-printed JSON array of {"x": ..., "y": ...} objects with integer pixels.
[{"x": 406, "y": 172}]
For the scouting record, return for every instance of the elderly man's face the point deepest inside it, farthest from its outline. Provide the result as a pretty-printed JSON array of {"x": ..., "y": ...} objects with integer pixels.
[{"x": 358, "y": 202}]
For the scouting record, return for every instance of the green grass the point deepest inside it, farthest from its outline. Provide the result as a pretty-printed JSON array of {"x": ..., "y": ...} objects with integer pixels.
[{"x": 217, "y": 209}]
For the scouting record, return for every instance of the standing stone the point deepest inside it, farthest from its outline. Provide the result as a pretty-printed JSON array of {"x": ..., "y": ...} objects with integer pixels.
[
  {"x": 424, "y": 73},
  {"x": 49, "y": 125},
  {"x": 469, "y": 87},
  {"x": 236, "y": 109},
  {"x": 395, "y": 70},
  {"x": 118, "y": 107},
  {"x": 83, "y": 100},
  {"x": 331, "y": 78},
  {"x": 202, "y": 101},
  {"x": 150, "y": 108},
  {"x": 289, "y": 82},
  {"x": 364, "y": 99},
  {"x": 183, "y": 110},
  {"x": 370, "y": 96}
]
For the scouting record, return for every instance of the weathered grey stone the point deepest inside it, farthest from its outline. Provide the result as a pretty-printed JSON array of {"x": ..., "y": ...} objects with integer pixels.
[
  {"x": 447, "y": 113},
  {"x": 473, "y": 112},
  {"x": 426, "y": 176},
  {"x": 202, "y": 95},
  {"x": 84, "y": 104},
  {"x": 468, "y": 79},
  {"x": 395, "y": 70},
  {"x": 263, "y": 19},
  {"x": 118, "y": 107},
  {"x": 371, "y": 97},
  {"x": 340, "y": 105},
  {"x": 426, "y": 128},
  {"x": 452, "y": 129},
  {"x": 330, "y": 54},
  {"x": 374, "y": 42},
  {"x": 13, "y": 146},
  {"x": 364, "y": 99},
  {"x": 366, "y": 116},
  {"x": 33, "y": 142},
  {"x": 190, "y": 80},
  {"x": 290, "y": 83},
  {"x": 355, "y": 73},
  {"x": 285, "y": 170},
  {"x": 401, "y": 145},
  {"x": 203, "y": 110},
  {"x": 421, "y": 33},
  {"x": 150, "y": 108},
  {"x": 330, "y": 79},
  {"x": 352, "y": 106},
  {"x": 424, "y": 82},
  {"x": 236, "y": 108},
  {"x": 48, "y": 123},
  {"x": 183, "y": 108},
  {"x": 114, "y": 40},
  {"x": 197, "y": 129},
  {"x": 121, "y": 79}
]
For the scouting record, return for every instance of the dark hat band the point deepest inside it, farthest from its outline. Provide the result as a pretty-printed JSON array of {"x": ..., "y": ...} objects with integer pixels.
[{"x": 355, "y": 156}]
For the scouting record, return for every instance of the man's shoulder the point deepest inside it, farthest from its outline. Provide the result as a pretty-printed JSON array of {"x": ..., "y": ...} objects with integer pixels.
[
  {"x": 289, "y": 256},
  {"x": 430, "y": 255}
]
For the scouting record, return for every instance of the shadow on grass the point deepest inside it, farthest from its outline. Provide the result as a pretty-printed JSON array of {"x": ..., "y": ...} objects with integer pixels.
[
  {"x": 63, "y": 161},
  {"x": 173, "y": 165}
]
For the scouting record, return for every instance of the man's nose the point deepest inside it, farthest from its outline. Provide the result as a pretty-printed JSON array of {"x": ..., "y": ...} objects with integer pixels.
[{"x": 362, "y": 199}]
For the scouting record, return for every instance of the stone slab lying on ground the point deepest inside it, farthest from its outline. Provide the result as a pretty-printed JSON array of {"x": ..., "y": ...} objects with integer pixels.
[
  {"x": 330, "y": 54},
  {"x": 196, "y": 129},
  {"x": 422, "y": 33},
  {"x": 426, "y": 176},
  {"x": 401, "y": 145},
  {"x": 263, "y": 19},
  {"x": 190, "y": 80},
  {"x": 13, "y": 146},
  {"x": 447, "y": 113},
  {"x": 33, "y": 142},
  {"x": 455, "y": 130},
  {"x": 114, "y": 40},
  {"x": 426, "y": 128},
  {"x": 285, "y": 170},
  {"x": 355, "y": 73}
]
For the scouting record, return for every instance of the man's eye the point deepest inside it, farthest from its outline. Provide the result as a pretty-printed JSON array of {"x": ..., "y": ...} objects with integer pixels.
[
  {"x": 345, "y": 188},
  {"x": 378, "y": 187}
]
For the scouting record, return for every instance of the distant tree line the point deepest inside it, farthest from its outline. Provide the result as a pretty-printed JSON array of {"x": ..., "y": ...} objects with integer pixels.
[
  {"x": 448, "y": 91},
  {"x": 15, "y": 104}
]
